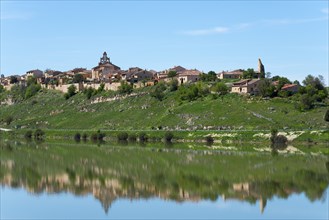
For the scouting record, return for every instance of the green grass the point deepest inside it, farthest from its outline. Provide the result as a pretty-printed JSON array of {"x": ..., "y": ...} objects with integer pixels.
[{"x": 231, "y": 112}]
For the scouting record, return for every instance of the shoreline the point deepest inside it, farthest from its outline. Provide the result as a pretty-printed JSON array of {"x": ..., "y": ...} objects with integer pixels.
[{"x": 299, "y": 137}]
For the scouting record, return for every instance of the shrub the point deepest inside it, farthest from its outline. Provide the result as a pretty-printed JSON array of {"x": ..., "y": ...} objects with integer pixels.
[
  {"x": 38, "y": 134},
  {"x": 77, "y": 137},
  {"x": 71, "y": 91},
  {"x": 9, "y": 119},
  {"x": 132, "y": 138},
  {"x": 159, "y": 91},
  {"x": 326, "y": 116},
  {"x": 125, "y": 88},
  {"x": 122, "y": 136},
  {"x": 209, "y": 140},
  {"x": 168, "y": 136},
  {"x": 84, "y": 137},
  {"x": 94, "y": 137},
  {"x": 173, "y": 85},
  {"x": 142, "y": 137},
  {"x": 278, "y": 141},
  {"x": 28, "y": 135}
]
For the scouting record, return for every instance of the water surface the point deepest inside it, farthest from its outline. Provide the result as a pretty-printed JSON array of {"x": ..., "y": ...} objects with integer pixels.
[{"x": 87, "y": 181}]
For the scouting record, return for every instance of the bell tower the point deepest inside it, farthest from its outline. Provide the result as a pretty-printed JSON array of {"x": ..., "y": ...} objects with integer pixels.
[{"x": 104, "y": 59}]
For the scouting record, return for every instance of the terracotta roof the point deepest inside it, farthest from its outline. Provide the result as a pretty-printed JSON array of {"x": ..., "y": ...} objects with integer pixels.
[
  {"x": 286, "y": 86},
  {"x": 246, "y": 82},
  {"x": 190, "y": 72}
]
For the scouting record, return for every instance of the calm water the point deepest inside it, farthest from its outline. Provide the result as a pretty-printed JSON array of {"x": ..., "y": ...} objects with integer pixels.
[{"x": 60, "y": 181}]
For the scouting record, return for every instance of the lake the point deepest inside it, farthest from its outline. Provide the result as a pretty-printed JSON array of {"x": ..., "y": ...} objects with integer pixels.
[{"x": 84, "y": 181}]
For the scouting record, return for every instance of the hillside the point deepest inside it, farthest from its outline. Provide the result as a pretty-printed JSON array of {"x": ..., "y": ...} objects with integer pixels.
[{"x": 139, "y": 111}]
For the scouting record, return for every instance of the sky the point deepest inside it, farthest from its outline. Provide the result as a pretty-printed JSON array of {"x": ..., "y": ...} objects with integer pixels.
[{"x": 290, "y": 37}]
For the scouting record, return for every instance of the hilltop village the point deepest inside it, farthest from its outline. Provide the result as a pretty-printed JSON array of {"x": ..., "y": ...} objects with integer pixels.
[{"x": 110, "y": 77}]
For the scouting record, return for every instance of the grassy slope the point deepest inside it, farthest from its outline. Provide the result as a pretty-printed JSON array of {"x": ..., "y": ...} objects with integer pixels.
[{"x": 233, "y": 111}]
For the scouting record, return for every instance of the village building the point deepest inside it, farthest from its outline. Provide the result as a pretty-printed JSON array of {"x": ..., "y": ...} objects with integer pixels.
[
  {"x": 142, "y": 75},
  {"x": 248, "y": 86},
  {"x": 293, "y": 88},
  {"x": 188, "y": 76},
  {"x": 34, "y": 73},
  {"x": 104, "y": 69},
  {"x": 235, "y": 74},
  {"x": 177, "y": 69}
]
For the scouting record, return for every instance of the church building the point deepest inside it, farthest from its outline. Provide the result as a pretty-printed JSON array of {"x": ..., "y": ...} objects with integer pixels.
[{"x": 105, "y": 69}]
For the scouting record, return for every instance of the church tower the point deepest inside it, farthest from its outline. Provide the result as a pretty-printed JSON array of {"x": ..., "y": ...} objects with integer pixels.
[
  {"x": 261, "y": 69},
  {"x": 104, "y": 59}
]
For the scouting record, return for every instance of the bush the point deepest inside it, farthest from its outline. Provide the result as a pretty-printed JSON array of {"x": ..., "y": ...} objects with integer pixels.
[
  {"x": 39, "y": 134},
  {"x": 125, "y": 88},
  {"x": 168, "y": 136},
  {"x": 9, "y": 119},
  {"x": 98, "y": 136},
  {"x": 71, "y": 91},
  {"x": 28, "y": 135},
  {"x": 142, "y": 137},
  {"x": 209, "y": 140},
  {"x": 84, "y": 137},
  {"x": 221, "y": 88},
  {"x": 173, "y": 85},
  {"x": 132, "y": 138},
  {"x": 77, "y": 137},
  {"x": 159, "y": 91},
  {"x": 122, "y": 136},
  {"x": 326, "y": 116},
  {"x": 278, "y": 141}
]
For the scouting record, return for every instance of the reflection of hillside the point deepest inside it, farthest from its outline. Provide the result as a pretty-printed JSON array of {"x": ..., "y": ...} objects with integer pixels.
[{"x": 170, "y": 176}]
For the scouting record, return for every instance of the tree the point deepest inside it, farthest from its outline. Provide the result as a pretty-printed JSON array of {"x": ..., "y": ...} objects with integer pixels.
[
  {"x": 313, "y": 90},
  {"x": 211, "y": 76},
  {"x": 221, "y": 88},
  {"x": 281, "y": 81},
  {"x": 249, "y": 74},
  {"x": 172, "y": 74},
  {"x": 159, "y": 91},
  {"x": 78, "y": 78},
  {"x": 31, "y": 90},
  {"x": 13, "y": 80},
  {"x": 173, "y": 85},
  {"x": 2, "y": 89},
  {"x": 125, "y": 88},
  {"x": 71, "y": 91},
  {"x": 101, "y": 88},
  {"x": 266, "y": 89},
  {"x": 39, "y": 134},
  {"x": 89, "y": 92},
  {"x": 31, "y": 81},
  {"x": 168, "y": 136}
]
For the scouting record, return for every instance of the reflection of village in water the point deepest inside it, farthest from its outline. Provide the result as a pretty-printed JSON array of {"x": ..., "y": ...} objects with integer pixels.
[{"x": 110, "y": 183}]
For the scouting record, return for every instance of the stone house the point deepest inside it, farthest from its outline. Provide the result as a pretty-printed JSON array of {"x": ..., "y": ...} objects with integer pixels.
[
  {"x": 139, "y": 76},
  {"x": 34, "y": 73},
  {"x": 293, "y": 88},
  {"x": 248, "y": 86},
  {"x": 235, "y": 74},
  {"x": 188, "y": 76}
]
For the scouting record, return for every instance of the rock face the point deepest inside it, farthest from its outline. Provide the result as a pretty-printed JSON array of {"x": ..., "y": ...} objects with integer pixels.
[{"x": 261, "y": 68}]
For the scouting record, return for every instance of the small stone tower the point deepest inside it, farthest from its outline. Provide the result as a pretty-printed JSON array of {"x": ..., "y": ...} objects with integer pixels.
[{"x": 261, "y": 68}]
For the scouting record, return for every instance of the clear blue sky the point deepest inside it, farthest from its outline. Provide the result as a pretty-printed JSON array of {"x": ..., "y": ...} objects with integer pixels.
[{"x": 291, "y": 37}]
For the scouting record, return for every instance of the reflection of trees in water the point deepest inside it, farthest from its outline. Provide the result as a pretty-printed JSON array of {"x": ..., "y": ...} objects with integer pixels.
[{"x": 179, "y": 177}]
